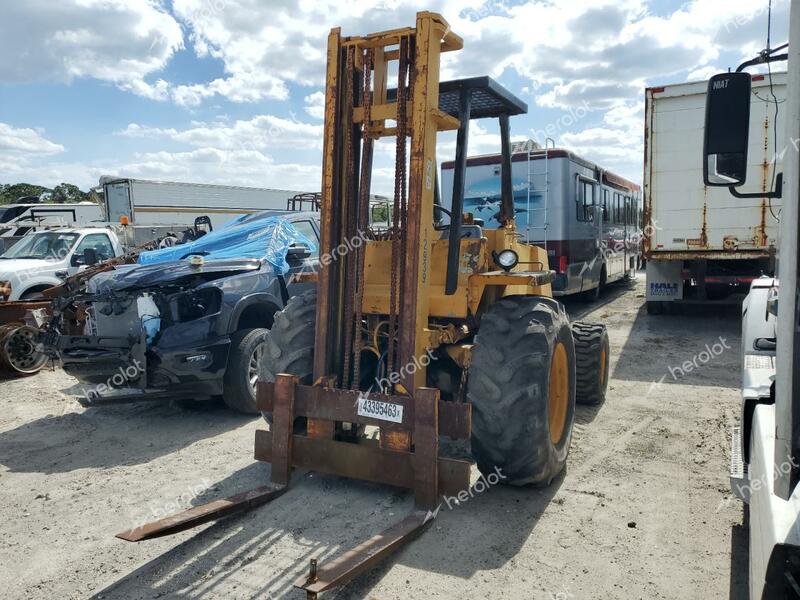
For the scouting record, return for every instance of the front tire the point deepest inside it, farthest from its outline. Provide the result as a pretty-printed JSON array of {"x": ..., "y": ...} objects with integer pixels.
[
  {"x": 522, "y": 390},
  {"x": 239, "y": 384},
  {"x": 289, "y": 346}
]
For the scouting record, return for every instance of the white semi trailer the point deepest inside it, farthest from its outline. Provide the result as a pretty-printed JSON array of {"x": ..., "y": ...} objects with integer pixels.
[
  {"x": 143, "y": 202},
  {"x": 703, "y": 245}
]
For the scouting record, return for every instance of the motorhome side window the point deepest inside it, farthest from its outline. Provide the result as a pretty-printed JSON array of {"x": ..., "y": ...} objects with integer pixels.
[
  {"x": 585, "y": 199},
  {"x": 615, "y": 209}
]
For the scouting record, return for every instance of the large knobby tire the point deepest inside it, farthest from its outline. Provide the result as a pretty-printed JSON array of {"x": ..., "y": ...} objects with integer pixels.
[
  {"x": 591, "y": 362},
  {"x": 522, "y": 390},
  {"x": 289, "y": 346},
  {"x": 239, "y": 391}
]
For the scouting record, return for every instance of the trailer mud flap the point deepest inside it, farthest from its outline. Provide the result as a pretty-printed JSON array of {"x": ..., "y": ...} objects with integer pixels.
[{"x": 664, "y": 280}]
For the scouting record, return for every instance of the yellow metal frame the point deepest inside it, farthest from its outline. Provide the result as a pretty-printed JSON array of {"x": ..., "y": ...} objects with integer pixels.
[{"x": 480, "y": 280}]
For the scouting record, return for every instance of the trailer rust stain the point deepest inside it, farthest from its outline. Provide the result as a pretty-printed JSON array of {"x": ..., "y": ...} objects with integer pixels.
[
  {"x": 762, "y": 226},
  {"x": 647, "y": 183},
  {"x": 704, "y": 228}
]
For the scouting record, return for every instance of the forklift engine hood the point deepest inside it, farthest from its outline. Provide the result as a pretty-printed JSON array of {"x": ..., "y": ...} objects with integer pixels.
[{"x": 142, "y": 277}]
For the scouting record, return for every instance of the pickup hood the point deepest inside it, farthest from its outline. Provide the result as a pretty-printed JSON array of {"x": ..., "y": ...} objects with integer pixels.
[
  {"x": 10, "y": 267},
  {"x": 177, "y": 273}
]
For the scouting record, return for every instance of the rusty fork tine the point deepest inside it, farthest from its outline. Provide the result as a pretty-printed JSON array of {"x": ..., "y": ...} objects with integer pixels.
[
  {"x": 364, "y": 556},
  {"x": 205, "y": 513}
]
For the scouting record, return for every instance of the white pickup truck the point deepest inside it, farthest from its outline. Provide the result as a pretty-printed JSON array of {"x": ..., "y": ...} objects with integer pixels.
[{"x": 43, "y": 259}]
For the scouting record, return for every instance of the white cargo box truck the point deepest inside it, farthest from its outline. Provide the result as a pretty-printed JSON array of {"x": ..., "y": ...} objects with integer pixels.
[
  {"x": 703, "y": 245},
  {"x": 169, "y": 203}
]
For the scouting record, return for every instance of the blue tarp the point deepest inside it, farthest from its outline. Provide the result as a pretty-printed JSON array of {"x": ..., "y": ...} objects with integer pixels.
[{"x": 266, "y": 238}]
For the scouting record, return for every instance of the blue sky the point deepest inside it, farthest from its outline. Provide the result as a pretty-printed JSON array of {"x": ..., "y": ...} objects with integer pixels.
[{"x": 229, "y": 91}]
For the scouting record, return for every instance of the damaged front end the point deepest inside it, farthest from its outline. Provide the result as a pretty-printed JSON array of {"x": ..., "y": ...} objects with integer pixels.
[{"x": 150, "y": 328}]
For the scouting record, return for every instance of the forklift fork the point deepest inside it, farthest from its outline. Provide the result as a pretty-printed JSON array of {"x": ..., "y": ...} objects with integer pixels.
[{"x": 425, "y": 416}]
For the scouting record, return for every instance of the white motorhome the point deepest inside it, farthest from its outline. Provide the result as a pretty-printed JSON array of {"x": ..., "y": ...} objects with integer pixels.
[
  {"x": 144, "y": 202},
  {"x": 588, "y": 218},
  {"x": 701, "y": 243}
]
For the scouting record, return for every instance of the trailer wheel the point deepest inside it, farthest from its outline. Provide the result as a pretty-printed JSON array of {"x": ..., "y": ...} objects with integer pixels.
[
  {"x": 18, "y": 353},
  {"x": 289, "y": 346},
  {"x": 591, "y": 362},
  {"x": 522, "y": 389},
  {"x": 239, "y": 383},
  {"x": 656, "y": 307}
]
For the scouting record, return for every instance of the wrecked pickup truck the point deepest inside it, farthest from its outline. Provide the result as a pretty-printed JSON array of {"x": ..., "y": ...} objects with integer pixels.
[{"x": 189, "y": 322}]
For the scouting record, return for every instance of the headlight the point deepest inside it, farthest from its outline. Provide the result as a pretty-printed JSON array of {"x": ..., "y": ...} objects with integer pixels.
[
  {"x": 507, "y": 259},
  {"x": 195, "y": 304}
]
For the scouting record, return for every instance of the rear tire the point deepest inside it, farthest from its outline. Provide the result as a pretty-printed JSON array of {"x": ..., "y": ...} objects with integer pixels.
[
  {"x": 522, "y": 390},
  {"x": 594, "y": 294},
  {"x": 239, "y": 393},
  {"x": 289, "y": 346},
  {"x": 591, "y": 362}
]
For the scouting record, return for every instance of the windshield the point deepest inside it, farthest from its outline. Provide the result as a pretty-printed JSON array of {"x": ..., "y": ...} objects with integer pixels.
[
  {"x": 44, "y": 245},
  {"x": 3, "y": 212}
]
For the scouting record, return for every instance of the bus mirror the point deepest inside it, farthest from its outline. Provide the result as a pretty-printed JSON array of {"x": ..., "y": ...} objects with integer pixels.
[{"x": 727, "y": 128}]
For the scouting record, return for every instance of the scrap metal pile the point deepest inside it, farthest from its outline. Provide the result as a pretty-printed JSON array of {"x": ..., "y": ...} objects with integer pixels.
[{"x": 27, "y": 328}]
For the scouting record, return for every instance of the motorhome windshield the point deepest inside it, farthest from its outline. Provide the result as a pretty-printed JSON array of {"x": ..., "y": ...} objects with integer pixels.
[{"x": 45, "y": 245}]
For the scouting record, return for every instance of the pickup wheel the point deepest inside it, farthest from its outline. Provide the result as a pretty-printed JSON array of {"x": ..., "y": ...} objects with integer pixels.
[{"x": 239, "y": 384}]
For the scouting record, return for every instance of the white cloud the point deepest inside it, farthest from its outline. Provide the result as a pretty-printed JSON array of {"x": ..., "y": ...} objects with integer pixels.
[
  {"x": 315, "y": 105},
  {"x": 202, "y": 165},
  {"x": 703, "y": 73},
  {"x": 111, "y": 40},
  {"x": 234, "y": 167},
  {"x": 571, "y": 54},
  {"x": 25, "y": 142},
  {"x": 262, "y": 132}
]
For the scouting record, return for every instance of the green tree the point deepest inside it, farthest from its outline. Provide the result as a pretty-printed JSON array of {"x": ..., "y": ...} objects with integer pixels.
[
  {"x": 10, "y": 193},
  {"x": 68, "y": 193}
]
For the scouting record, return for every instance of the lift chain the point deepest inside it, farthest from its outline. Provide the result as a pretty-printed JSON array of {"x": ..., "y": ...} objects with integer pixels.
[
  {"x": 398, "y": 231},
  {"x": 363, "y": 212},
  {"x": 402, "y": 133},
  {"x": 350, "y": 216}
]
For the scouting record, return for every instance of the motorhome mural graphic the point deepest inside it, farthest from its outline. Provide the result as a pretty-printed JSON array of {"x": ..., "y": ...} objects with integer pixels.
[
  {"x": 587, "y": 218},
  {"x": 482, "y": 199}
]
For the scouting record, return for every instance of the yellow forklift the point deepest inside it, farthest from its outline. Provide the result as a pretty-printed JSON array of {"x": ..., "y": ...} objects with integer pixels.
[{"x": 431, "y": 327}]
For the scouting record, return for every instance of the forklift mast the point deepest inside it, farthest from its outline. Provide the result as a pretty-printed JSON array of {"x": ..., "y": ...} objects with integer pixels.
[{"x": 360, "y": 101}]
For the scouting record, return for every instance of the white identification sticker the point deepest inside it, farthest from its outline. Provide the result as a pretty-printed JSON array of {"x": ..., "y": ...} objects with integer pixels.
[{"x": 385, "y": 411}]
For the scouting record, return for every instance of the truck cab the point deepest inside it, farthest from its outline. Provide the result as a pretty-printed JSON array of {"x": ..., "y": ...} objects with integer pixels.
[{"x": 43, "y": 259}]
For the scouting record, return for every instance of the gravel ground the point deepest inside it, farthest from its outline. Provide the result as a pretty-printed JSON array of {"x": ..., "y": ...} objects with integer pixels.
[{"x": 643, "y": 510}]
